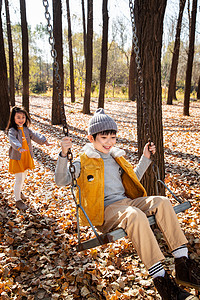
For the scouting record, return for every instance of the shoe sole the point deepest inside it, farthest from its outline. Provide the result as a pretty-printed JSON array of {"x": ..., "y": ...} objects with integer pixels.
[
  {"x": 20, "y": 208},
  {"x": 184, "y": 283},
  {"x": 188, "y": 284}
]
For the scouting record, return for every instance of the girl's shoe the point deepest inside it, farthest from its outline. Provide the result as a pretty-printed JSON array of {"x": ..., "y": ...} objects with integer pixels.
[{"x": 21, "y": 205}]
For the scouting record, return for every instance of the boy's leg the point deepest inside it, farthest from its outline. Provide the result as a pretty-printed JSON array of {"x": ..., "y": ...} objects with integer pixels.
[
  {"x": 166, "y": 219},
  {"x": 187, "y": 270},
  {"x": 135, "y": 223},
  {"x": 123, "y": 214},
  {"x": 127, "y": 212}
]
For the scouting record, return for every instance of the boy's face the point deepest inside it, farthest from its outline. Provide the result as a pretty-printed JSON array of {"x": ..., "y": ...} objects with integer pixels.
[{"x": 103, "y": 142}]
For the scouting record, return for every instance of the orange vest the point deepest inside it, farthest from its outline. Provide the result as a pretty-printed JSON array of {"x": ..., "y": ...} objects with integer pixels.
[{"x": 92, "y": 191}]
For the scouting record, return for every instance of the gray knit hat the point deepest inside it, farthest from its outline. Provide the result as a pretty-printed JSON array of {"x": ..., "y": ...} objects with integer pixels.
[{"x": 101, "y": 122}]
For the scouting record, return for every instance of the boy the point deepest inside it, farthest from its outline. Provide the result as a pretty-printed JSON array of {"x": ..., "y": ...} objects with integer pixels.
[{"x": 113, "y": 197}]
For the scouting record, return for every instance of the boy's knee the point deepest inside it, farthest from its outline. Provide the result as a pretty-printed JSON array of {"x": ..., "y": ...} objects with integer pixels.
[
  {"x": 135, "y": 216},
  {"x": 163, "y": 203},
  {"x": 161, "y": 200},
  {"x": 134, "y": 221}
]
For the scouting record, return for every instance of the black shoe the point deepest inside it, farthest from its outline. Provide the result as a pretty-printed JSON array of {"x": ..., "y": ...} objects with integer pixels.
[
  {"x": 169, "y": 290},
  {"x": 187, "y": 272},
  {"x": 21, "y": 205}
]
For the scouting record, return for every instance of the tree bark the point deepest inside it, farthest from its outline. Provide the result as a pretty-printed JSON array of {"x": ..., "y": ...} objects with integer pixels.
[
  {"x": 198, "y": 89},
  {"x": 149, "y": 23},
  {"x": 25, "y": 56},
  {"x": 89, "y": 58},
  {"x": 132, "y": 87},
  {"x": 84, "y": 28},
  {"x": 4, "y": 98},
  {"x": 70, "y": 54},
  {"x": 104, "y": 54},
  {"x": 174, "y": 66},
  {"x": 190, "y": 60},
  {"x": 58, "y": 85},
  {"x": 11, "y": 60}
]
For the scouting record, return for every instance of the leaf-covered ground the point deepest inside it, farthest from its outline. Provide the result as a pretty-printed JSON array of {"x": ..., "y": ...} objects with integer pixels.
[{"x": 38, "y": 257}]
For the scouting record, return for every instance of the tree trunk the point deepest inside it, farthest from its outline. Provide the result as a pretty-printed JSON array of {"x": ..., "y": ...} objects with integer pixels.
[
  {"x": 132, "y": 87},
  {"x": 70, "y": 54},
  {"x": 11, "y": 60},
  {"x": 84, "y": 29},
  {"x": 190, "y": 60},
  {"x": 149, "y": 23},
  {"x": 198, "y": 89},
  {"x": 104, "y": 54},
  {"x": 89, "y": 59},
  {"x": 25, "y": 56},
  {"x": 58, "y": 81},
  {"x": 174, "y": 66},
  {"x": 4, "y": 98}
]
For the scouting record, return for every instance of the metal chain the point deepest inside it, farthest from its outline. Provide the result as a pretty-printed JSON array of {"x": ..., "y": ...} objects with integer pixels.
[
  {"x": 65, "y": 127},
  {"x": 72, "y": 170},
  {"x": 58, "y": 87},
  {"x": 139, "y": 70},
  {"x": 142, "y": 94},
  {"x": 55, "y": 65}
]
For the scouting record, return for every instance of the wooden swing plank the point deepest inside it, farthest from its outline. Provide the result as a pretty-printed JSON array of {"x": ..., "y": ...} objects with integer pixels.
[{"x": 120, "y": 233}]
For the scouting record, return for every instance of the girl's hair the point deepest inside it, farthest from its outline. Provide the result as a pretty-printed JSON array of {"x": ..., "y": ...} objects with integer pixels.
[
  {"x": 106, "y": 132},
  {"x": 11, "y": 122}
]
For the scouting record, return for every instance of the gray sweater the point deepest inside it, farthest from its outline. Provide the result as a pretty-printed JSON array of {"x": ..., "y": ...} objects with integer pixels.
[
  {"x": 113, "y": 187},
  {"x": 15, "y": 139}
]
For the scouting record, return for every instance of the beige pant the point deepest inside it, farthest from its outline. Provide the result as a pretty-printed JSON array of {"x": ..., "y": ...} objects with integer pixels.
[{"x": 131, "y": 215}]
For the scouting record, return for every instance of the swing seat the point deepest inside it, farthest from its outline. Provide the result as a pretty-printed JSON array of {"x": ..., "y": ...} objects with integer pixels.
[{"x": 120, "y": 233}]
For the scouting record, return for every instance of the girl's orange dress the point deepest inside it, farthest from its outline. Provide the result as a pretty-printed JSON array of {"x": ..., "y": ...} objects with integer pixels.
[{"x": 26, "y": 161}]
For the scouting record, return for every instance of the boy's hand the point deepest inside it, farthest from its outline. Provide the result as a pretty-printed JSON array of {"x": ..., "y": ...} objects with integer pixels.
[
  {"x": 148, "y": 149},
  {"x": 66, "y": 143}
]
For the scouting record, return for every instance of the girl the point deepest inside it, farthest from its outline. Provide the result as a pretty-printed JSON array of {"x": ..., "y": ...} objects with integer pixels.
[{"x": 21, "y": 152}]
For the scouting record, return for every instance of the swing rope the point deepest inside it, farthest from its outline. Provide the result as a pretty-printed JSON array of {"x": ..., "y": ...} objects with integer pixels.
[{"x": 119, "y": 233}]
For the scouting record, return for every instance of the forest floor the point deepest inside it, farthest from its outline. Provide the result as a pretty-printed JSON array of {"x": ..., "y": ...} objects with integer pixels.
[{"x": 38, "y": 257}]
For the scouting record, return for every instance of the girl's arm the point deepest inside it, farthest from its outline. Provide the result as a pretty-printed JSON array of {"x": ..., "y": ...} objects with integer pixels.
[
  {"x": 14, "y": 142},
  {"x": 37, "y": 137}
]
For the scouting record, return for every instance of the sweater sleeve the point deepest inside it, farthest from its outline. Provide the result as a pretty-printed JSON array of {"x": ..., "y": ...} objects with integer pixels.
[
  {"x": 142, "y": 166},
  {"x": 37, "y": 137},
  {"x": 62, "y": 173},
  {"x": 14, "y": 142}
]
